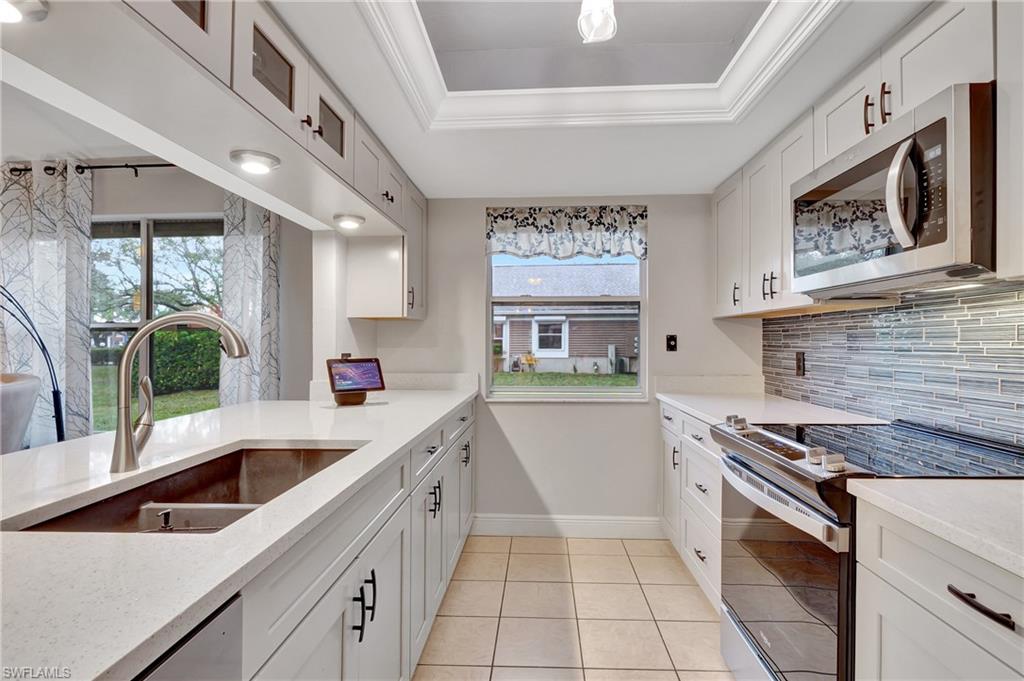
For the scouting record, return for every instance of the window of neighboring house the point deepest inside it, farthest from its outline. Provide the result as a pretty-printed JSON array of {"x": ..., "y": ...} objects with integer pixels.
[
  {"x": 142, "y": 269},
  {"x": 570, "y": 326}
]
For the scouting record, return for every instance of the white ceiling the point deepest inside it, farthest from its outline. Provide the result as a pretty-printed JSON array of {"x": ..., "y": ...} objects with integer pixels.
[
  {"x": 510, "y": 45},
  {"x": 34, "y": 130}
]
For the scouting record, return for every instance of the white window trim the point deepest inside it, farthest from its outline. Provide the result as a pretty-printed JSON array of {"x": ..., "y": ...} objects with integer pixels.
[{"x": 561, "y": 353}]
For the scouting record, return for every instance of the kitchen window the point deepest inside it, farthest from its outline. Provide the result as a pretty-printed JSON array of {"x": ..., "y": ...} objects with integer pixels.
[{"x": 142, "y": 268}]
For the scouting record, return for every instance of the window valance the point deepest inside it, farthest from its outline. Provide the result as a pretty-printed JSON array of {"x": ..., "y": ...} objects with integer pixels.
[{"x": 564, "y": 232}]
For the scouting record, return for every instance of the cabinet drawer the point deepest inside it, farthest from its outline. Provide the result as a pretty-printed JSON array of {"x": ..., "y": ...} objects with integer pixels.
[
  {"x": 425, "y": 453},
  {"x": 703, "y": 486},
  {"x": 699, "y": 433},
  {"x": 923, "y": 566},
  {"x": 457, "y": 424},
  {"x": 702, "y": 551},
  {"x": 280, "y": 596},
  {"x": 671, "y": 418}
]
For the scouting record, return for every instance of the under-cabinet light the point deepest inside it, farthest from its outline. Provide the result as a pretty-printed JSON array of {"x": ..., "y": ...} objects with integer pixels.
[
  {"x": 254, "y": 162},
  {"x": 349, "y": 221}
]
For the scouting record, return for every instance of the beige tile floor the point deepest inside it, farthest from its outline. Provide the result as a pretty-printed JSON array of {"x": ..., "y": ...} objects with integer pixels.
[{"x": 551, "y": 609}]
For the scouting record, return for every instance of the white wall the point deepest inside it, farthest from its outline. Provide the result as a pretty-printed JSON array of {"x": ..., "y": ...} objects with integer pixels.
[
  {"x": 154, "y": 191},
  {"x": 571, "y": 459},
  {"x": 295, "y": 271}
]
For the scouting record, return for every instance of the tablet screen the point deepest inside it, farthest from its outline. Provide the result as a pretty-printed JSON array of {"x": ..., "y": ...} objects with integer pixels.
[{"x": 355, "y": 375}]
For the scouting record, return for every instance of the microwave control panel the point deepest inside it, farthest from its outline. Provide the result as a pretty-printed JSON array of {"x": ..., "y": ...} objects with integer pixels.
[{"x": 930, "y": 161}]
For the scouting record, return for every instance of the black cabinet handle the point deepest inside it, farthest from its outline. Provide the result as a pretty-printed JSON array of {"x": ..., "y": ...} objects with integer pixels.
[
  {"x": 697, "y": 437},
  {"x": 307, "y": 121},
  {"x": 667, "y": 418},
  {"x": 700, "y": 488},
  {"x": 867, "y": 105},
  {"x": 463, "y": 418},
  {"x": 361, "y": 600},
  {"x": 388, "y": 196},
  {"x": 764, "y": 286},
  {"x": 319, "y": 130},
  {"x": 466, "y": 448},
  {"x": 771, "y": 285},
  {"x": 735, "y": 298},
  {"x": 372, "y": 581},
  {"x": 882, "y": 94},
  {"x": 700, "y": 554},
  {"x": 435, "y": 492},
  {"x": 675, "y": 463},
  {"x": 1002, "y": 618},
  {"x": 432, "y": 449},
  {"x": 412, "y": 297}
]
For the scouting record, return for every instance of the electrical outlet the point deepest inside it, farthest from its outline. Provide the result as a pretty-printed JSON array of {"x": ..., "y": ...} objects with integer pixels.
[
  {"x": 671, "y": 342},
  {"x": 801, "y": 366}
]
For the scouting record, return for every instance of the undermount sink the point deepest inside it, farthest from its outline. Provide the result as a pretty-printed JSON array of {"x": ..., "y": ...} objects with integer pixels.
[{"x": 202, "y": 499}]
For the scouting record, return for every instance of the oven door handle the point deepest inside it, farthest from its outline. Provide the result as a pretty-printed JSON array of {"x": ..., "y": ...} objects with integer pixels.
[
  {"x": 894, "y": 195},
  {"x": 834, "y": 536}
]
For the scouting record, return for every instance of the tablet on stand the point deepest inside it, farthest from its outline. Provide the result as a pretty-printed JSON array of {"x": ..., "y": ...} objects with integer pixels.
[{"x": 352, "y": 377}]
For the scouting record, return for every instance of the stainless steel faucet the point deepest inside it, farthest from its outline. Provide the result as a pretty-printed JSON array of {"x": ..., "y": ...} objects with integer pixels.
[{"x": 130, "y": 439}]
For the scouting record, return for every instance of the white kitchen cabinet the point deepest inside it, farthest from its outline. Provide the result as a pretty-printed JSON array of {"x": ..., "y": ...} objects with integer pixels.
[
  {"x": 671, "y": 462},
  {"x": 415, "y": 252},
  {"x": 1010, "y": 133},
  {"x": 795, "y": 152},
  {"x": 450, "y": 498},
  {"x": 331, "y": 124},
  {"x": 428, "y": 565},
  {"x": 897, "y": 640},
  {"x": 323, "y": 647},
  {"x": 760, "y": 230},
  {"x": 271, "y": 71},
  {"x": 848, "y": 113},
  {"x": 384, "y": 570},
  {"x": 201, "y": 29},
  {"x": 950, "y": 42},
  {"x": 377, "y": 177},
  {"x": 467, "y": 483},
  {"x": 727, "y": 221}
]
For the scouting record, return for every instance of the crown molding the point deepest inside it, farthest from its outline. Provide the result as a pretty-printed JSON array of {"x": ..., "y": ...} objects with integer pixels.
[{"x": 782, "y": 33}]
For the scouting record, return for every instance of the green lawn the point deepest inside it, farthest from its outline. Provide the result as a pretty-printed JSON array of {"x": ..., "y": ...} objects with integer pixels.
[
  {"x": 104, "y": 400},
  {"x": 551, "y": 378}
]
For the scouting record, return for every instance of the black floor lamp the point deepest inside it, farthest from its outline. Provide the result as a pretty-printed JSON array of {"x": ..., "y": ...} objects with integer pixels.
[{"x": 20, "y": 315}]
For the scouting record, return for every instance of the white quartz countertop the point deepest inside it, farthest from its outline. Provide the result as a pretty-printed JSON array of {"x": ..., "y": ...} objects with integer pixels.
[
  {"x": 760, "y": 408},
  {"x": 105, "y": 604},
  {"x": 982, "y": 516}
]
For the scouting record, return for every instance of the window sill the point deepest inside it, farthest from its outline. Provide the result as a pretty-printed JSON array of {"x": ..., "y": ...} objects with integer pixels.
[{"x": 540, "y": 398}]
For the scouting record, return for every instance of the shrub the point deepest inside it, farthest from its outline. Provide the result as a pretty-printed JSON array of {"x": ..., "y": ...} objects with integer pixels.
[{"x": 187, "y": 359}]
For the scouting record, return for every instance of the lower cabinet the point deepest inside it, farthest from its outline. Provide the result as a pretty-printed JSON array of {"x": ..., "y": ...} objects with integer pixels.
[
  {"x": 467, "y": 483},
  {"x": 359, "y": 629},
  {"x": 450, "y": 494},
  {"x": 429, "y": 565},
  {"x": 671, "y": 461}
]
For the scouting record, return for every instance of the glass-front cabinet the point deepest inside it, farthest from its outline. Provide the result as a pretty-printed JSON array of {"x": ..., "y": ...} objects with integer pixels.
[
  {"x": 332, "y": 127},
  {"x": 202, "y": 28}
]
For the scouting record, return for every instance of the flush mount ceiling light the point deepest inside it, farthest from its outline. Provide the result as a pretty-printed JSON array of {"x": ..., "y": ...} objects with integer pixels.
[
  {"x": 349, "y": 221},
  {"x": 16, "y": 11},
  {"x": 254, "y": 162},
  {"x": 597, "y": 21}
]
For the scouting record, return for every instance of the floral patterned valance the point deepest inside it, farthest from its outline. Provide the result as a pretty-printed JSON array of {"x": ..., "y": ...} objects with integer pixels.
[{"x": 564, "y": 232}]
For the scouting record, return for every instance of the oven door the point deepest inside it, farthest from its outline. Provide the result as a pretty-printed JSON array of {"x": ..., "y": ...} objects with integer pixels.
[
  {"x": 786, "y": 583},
  {"x": 897, "y": 204}
]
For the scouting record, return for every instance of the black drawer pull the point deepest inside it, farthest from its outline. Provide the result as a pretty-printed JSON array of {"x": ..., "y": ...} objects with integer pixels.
[
  {"x": 1003, "y": 618},
  {"x": 468, "y": 450},
  {"x": 675, "y": 462},
  {"x": 700, "y": 488},
  {"x": 463, "y": 418},
  {"x": 372, "y": 581},
  {"x": 698, "y": 438},
  {"x": 700, "y": 554},
  {"x": 667, "y": 418},
  {"x": 432, "y": 449},
  {"x": 361, "y": 600},
  {"x": 435, "y": 492}
]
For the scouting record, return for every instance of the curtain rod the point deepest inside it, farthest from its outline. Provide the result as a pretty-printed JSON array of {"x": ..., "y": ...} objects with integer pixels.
[{"x": 81, "y": 168}]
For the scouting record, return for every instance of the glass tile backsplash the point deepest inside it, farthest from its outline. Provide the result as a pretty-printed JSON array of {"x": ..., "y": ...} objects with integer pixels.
[{"x": 950, "y": 360}]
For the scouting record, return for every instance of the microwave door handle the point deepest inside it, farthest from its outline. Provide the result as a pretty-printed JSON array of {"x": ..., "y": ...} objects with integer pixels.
[{"x": 894, "y": 195}]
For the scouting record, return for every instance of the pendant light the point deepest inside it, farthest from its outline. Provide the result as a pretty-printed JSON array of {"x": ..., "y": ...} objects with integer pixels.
[{"x": 597, "y": 21}]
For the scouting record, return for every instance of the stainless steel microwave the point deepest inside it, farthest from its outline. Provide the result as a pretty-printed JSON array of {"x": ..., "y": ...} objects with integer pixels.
[{"x": 910, "y": 207}]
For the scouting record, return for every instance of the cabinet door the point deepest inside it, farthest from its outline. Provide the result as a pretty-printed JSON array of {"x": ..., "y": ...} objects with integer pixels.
[
  {"x": 415, "y": 216},
  {"x": 727, "y": 218},
  {"x": 672, "y": 456},
  {"x": 271, "y": 71},
  {"x": 897, "y": 639},
  {"x": 369, "y": 161},
  {"x": 795, "y": 154},
  {"x": 332, "y": 127},
  {"x": 324, "y": 646},
  {"x": 849, "y": 113},
  {"x": 761, "y": 220},
  {"x": 375, "y": 278},
  {"x": 451, "y": 496},
  {"x": 467, "y": 483},
  {"x": 201, "y": 29},
  {"x": 1010, "y": 133},
  {"x": 384, "y": 569},
  {"x": 951, "y": 42},
  {"x": 392, "y": 189},
  {"x": 428, "y": 565}
]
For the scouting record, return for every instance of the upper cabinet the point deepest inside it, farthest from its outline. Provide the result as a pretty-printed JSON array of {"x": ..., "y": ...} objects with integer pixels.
[
  {"x": 201, "y": 29},
  {"x": 331, "y": 124},
  {"x": 950, "y": 42},
  {"x": 727, "y": 219},
  {"x": 415, "y": 213},
  {"x": 377, "y": 177}
]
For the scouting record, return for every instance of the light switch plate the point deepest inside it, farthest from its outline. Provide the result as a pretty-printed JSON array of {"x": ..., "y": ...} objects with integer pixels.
[{"x": 671, "y": 342}]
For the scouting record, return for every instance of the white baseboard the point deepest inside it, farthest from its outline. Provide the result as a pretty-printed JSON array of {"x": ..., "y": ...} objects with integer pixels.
[{"x": 612, "y": 527}]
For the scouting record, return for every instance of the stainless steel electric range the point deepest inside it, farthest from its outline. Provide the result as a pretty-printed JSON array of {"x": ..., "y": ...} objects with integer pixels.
[{"x": 788, "y": 527}]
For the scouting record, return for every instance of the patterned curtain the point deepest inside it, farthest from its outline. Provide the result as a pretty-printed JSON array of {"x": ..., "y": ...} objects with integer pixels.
[
  {"x": 44, "y": 262},
  {"x": 567, "y": 232},
  {"x": 839, "y": 227},
  {"x": 251, "y": 300}
]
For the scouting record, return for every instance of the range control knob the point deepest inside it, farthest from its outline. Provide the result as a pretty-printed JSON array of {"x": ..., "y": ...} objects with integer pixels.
[
  {"x": 834, "y": 463},
  {"x": 730, "y": 418},
  {"x": 814, "y": 455},
  {"x": 739, "y": 423}
]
